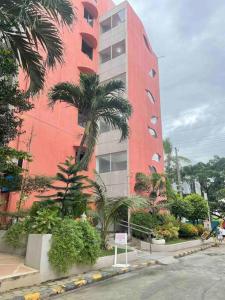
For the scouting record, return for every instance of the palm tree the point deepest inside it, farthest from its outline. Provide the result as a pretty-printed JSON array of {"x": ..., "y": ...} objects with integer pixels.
[
  {"x": 108, "y": 209},
  {"x": 28, "y": 27},
  {"x": 95, "y": 102},
  {"x": 154, "y": 186}
]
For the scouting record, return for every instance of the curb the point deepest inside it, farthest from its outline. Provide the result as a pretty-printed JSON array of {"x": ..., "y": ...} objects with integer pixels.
[
  {"x": 52, "y": 289},
  {"x": 185, "y": 253}
]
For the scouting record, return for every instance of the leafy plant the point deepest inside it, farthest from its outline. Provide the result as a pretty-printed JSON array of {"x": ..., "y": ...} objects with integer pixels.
[
  {"x": 180, "y": 208},
  {"x": 145, "y": 219},
  {"x": 167, "y": 231},
  {"x": 73, "y": 242},
  {"x": 108, "y": 209},
  {"x": 188, "y": 231},
  {"x": 45, "y": 221},
  {"x": 199, "y": 207},
  {"x": 16, "y": 235},
  {"x": 91, "y": 243},
  {"x": 200, "y": 229},
  {"x": 95, "y": 102},
  {"x": 29, "y": 28}
]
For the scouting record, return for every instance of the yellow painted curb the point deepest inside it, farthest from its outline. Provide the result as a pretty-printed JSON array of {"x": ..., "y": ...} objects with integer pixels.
[
  {"x": 97, "y": 276},
  {"x": 80, "y": 282},
  {"x": 34, "y": 296},
  {"x": 58, "y": 290}
]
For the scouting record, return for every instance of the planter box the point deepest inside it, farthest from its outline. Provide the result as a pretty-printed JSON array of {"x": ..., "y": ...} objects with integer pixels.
[
  {"x": 37, "y": 258},
  {"x": 175, "y": 247},
  {"x": 4, "y": 248},
  {"x": 158, "y": 242}
]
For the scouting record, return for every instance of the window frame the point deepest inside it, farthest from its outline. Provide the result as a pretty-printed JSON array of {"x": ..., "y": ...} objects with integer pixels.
[{"x": 110, "y": 162}]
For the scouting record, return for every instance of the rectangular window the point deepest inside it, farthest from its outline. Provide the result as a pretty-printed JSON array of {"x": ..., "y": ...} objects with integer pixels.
[
  {"x": 112, "y": 162},
  {"x": 118, "y": 161},
  {"x": 105, "y": 55},
  {"x": 113, "y": 21},
  {"x": 118, "y": 18},
  {"x": 104, "y": 163},
  {"x": 118, "y": 49},
  {"x": 106, "y": 25},
  {"x": 88, "y": 50}
]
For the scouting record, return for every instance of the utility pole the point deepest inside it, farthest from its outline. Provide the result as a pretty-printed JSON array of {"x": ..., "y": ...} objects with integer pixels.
[{"x": 178, "y": 173}]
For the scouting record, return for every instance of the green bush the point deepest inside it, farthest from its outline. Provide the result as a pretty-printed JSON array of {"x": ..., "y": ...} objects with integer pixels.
[
  {"x": 16, "y": 235},
  {"x": 44, "y": 221},
  {"x": 73, "y": 242},
  {"x": 167, "y": 231},
  {"x": 91, "y": 241},
  {"x": 200, "y": 229},
  {"x": 143, "y": 219},
  {"x": 188, "y": 231}
]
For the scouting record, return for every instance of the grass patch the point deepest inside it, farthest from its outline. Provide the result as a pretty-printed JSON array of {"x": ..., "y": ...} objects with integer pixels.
[
  {"x": 112, "y": 252},
  {"x": 177, "y": 241}
]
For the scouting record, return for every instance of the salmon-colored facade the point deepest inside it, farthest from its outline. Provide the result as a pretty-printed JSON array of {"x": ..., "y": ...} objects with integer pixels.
[{"x": 56, "y": 133}]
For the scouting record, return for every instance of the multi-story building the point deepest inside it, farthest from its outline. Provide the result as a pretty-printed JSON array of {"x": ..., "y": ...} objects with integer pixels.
[{"x": 111, "y": 41}]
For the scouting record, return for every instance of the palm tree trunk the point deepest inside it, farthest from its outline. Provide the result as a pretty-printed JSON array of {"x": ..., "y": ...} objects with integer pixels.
[{"x": 82, "y": 143}]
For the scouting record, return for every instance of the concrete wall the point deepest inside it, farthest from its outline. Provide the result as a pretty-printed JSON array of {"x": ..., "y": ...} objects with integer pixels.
[
  {"x": 175, "y": 247},
  {"x": 37, "y": 258}
]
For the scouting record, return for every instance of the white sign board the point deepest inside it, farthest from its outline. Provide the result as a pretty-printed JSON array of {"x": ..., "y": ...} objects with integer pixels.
[{"x": 121, "y": 238}]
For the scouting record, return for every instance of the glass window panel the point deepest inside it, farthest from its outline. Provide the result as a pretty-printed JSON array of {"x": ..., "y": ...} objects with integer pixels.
[
  {"x": 152, "y": 169},
  {"x": 154, "y": 120},
  {"x": 104, "y": 163},
  {"x": 118, "y": 49},
  {"x": 89, "y": 18},
  {"x": 118, "y": 18},
  {"x": 152, "y": 132},
  {"x": 152, "y": 73},
  {"x": 150, "y": 96},
  {"x": 105, "y": 55},
  {"x": 156, "y": 157},
  {"x": 87, "y": 49},
  {"x": 119, "y": 161},
  {"x": 106, "y": 25}
]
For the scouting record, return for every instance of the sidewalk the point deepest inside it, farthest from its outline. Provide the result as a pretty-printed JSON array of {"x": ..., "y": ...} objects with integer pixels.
[{"x": 53, "y": 288}]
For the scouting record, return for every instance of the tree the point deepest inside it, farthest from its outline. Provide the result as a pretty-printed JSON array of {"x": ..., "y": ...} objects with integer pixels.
[
  {"x": 180, "y": 208},
  {"x": 154, "y": 186},
  {"x": 199, "y": 207},
  {"x": 28, "y": 28},
  {"x": 170, "y": 160},
  {"x": 108, "y": 209},
  {"x": 69, "y": 193},
  {"x": 94, "y": 102},
  {"x": 13, "y": 102},
  {"x": 211, "y": 176}
]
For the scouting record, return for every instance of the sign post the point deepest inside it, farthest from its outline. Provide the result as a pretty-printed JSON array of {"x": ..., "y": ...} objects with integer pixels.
[{"x": 120, "y": 239}]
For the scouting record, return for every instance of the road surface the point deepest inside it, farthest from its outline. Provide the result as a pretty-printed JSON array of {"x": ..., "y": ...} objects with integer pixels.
[{"x": 200, "y": 276}]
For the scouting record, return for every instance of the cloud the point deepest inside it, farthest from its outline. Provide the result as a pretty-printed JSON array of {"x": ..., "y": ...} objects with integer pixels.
[{"x": 188, "y": 118}]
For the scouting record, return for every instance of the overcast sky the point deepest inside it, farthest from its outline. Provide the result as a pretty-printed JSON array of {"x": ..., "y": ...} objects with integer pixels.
[{"x": 189, "y": 36}]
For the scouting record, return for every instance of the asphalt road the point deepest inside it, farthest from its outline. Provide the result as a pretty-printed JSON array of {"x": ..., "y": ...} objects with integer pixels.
[{"x": 195, "y": 277}]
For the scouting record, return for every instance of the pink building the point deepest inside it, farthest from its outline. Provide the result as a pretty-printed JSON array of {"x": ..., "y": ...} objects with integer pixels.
[{"x": 111, "y": 41}]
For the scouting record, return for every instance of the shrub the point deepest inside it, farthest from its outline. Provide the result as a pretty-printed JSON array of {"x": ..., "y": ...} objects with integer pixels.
[
  {"x": 91, "y": 242},
  {"x": 188, "y": 231},
  {"x": 200, "y": 229},
  {"x": 16, "y": 235},
  {"x": 167, "y": 231},
  {"x": 71, "y": 243},
  {"x": 44, "y": 221},
  {"x": 143, "y": 219}
]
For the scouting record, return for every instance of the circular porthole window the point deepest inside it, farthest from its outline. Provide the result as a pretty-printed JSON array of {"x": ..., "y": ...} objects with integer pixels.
[
  {"x": 152, "y": 132},
  {"x": 156, "y": 157},
  {"x": 154, "y": 120}
]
